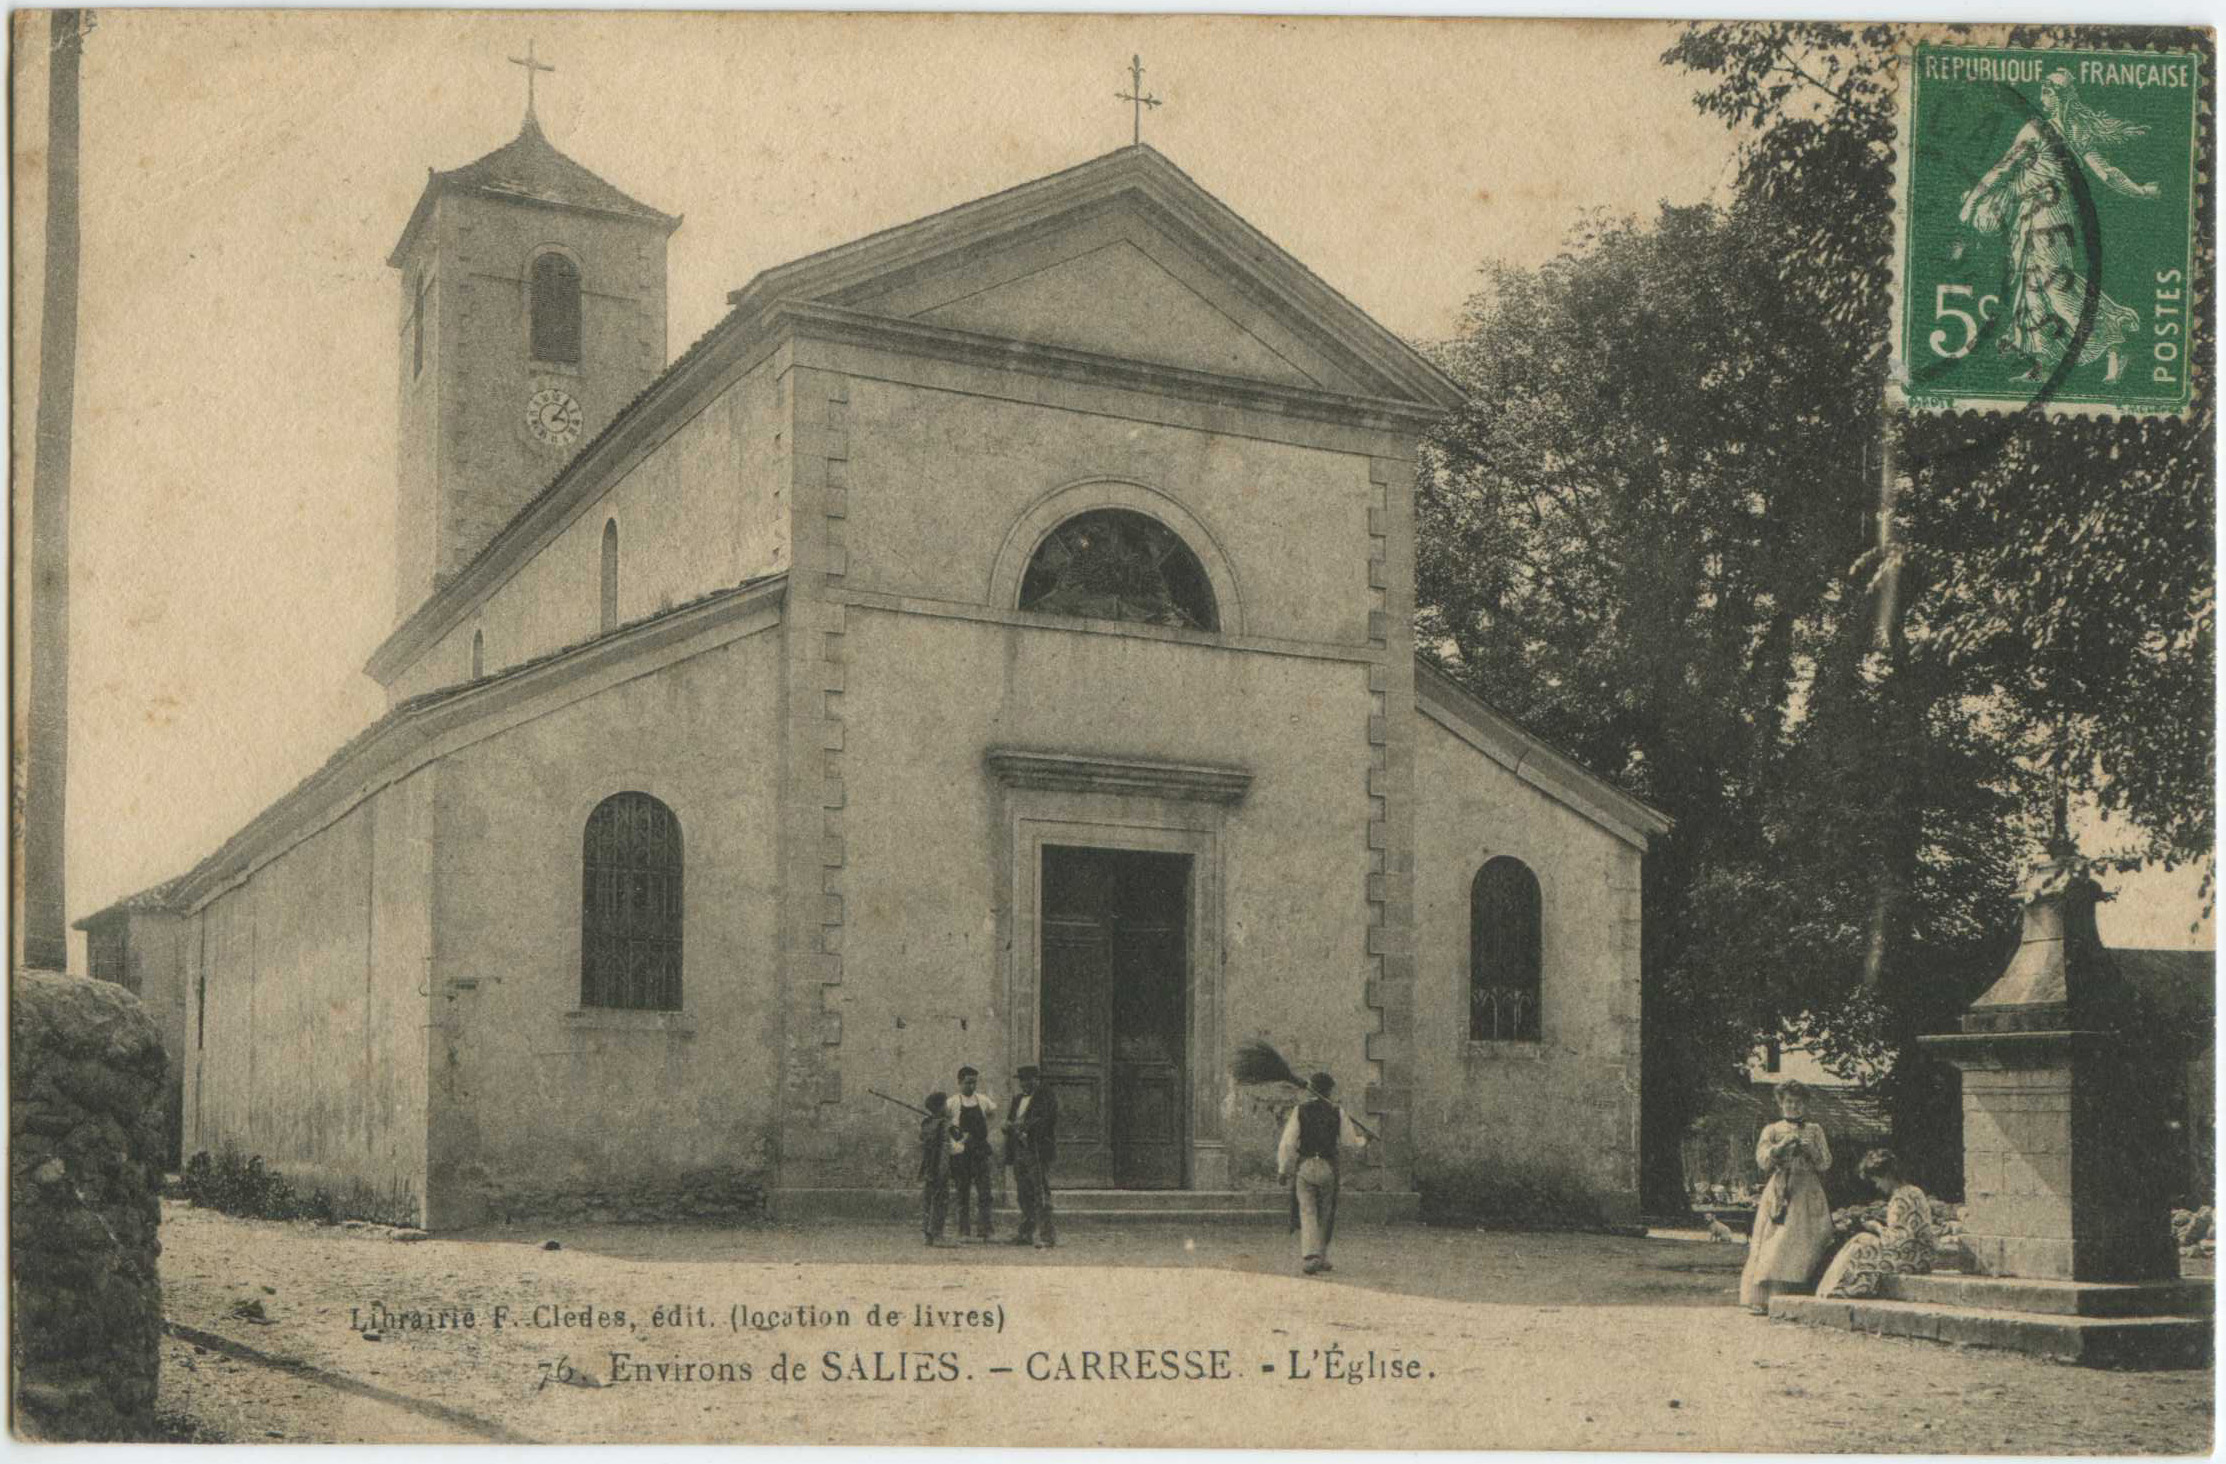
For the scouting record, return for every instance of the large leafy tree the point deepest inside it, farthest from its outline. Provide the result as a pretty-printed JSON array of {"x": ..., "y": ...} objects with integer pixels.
[
  {"x": 1657, "y": 534},
  {"x": 1651, "y": 535},
  {"x": 2068, "y": 560}
]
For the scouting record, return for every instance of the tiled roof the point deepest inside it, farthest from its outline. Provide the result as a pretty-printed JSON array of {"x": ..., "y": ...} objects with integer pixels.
[
  {"x": 153, "y": 897},
  {"x": 425, "y": 701},
  {"x": 2179, "y": 985},
  {"x": 529, "y": 167},
  {"x": 1848, "y": 1115}
]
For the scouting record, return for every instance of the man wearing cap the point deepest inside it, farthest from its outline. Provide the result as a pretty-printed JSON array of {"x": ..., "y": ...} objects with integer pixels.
[
  {"x": 1031, "y": 1148},
  {"x": 1312, "y": 1135},
  {"x": 976, "y": 1163}
]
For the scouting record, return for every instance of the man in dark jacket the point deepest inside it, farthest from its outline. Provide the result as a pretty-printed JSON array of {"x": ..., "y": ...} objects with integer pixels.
[{"x": 1031, "y": 1148}]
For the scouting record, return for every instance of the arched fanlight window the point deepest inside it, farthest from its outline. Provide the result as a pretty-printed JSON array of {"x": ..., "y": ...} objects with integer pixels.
[
  {"x": 630, "y": 906},
  {"x": 1116, "y": 564},
  {"x": 556, "y": 308},
  {"x": 1505, "y": 967},
  {"x": 610, "y": 575}
]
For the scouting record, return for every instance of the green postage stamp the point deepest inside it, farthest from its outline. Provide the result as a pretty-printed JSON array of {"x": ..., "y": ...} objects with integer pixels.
[{"x": 2046, "y": 203}]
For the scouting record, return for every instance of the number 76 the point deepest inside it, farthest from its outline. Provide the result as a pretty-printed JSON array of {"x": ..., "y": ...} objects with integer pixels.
[{"x": 1942, "y": 310}]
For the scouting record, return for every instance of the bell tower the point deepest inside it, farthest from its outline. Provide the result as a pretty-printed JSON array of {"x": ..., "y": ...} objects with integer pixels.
[{"x": 532, "y": 309}]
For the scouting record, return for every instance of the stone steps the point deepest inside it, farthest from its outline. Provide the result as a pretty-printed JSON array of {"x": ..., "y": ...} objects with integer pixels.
[
  {"x": 2090, "y": 1341},
  {"x": 2184, "y": 1298}
]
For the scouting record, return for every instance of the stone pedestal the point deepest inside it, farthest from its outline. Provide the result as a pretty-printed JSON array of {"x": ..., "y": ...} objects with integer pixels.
[
  {"x": 2066, "y": 1154},
  {"x": 2067, "y": 1165},
  {"x": 2066, "y": 1157}
]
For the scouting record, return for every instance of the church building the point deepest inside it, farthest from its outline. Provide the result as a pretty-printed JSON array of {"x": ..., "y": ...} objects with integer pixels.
[{"x": 991, "y": 643}]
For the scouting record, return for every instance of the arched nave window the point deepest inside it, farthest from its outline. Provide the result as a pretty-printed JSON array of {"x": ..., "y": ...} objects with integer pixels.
[
  {"x": 610, "y": 575},
  {"x": 630, "y": 906},
  {"x": 1117, "y": 564},
  {"x": 1505, "y": 970}
]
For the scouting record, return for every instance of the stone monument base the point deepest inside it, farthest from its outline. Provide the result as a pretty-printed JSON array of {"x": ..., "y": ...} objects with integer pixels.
[{"x": 2136, "y": 1324}]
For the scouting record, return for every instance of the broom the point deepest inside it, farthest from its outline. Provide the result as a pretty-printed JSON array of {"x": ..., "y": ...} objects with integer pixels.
[{"x": 1258, "y": 1063}]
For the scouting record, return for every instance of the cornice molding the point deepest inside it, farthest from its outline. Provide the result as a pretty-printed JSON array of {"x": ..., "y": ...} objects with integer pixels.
[
  {"x": 817, "y": 321},
  {"x": 1121, "y": 777}
]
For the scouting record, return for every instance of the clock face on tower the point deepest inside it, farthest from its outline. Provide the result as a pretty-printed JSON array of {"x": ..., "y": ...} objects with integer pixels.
[{"x": 553, "y": 417}]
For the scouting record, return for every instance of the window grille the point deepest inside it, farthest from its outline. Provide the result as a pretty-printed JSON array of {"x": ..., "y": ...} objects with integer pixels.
[
  {"x": 1114, "y": 564},
  {"x": 556, "y": 309},
  {"x": 630, "y": 906},
  {"x": 1505, "y": 969}
]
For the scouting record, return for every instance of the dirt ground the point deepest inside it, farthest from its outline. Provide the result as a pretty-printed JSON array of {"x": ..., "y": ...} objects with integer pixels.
[{"x": 1457, "y": 1338}]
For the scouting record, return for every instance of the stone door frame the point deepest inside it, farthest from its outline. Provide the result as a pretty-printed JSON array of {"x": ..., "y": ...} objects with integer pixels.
[{"x": 1135, "y": 804}]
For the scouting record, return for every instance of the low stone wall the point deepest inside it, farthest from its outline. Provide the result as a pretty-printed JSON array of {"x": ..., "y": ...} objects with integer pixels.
[{"x": 84, "y": 1171}]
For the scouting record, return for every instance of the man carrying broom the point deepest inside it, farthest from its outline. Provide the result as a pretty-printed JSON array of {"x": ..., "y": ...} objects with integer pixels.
[
  {"x": 1312, "y": 1135},
  {"x": 1307, "y": 1157}
]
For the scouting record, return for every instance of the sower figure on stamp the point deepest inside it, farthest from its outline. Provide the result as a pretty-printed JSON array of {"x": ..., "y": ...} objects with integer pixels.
[
  {"x": 976, "y": 1165},
  {"x": 1307, "y": 1157},
  {"x": 1031, "y": 1148},
  {"x": 940, "y": 1146},
  {"x": 2029, "y": 195}
]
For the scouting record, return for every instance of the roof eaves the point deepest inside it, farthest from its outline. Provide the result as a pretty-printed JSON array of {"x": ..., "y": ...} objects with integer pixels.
[
  {"x": 153, "y": 899},
  {"x": 1537, "y": 761}
]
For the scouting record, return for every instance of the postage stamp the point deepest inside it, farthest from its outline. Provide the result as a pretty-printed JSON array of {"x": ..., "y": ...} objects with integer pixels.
[{"x": 2046, "y": 223}]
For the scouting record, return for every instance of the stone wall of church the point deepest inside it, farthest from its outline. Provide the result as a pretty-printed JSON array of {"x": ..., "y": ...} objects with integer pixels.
[
  {"x": 924, "y": 985},
  {"x": 540, "y": 1107},
  {"x": 702, "y": 511},
  {"x": 940, "y": 478},
  {"x": 933, "y": 479},
  {"x": 1552, "y": 1122},
  {"x": 308, "y": 1044}
]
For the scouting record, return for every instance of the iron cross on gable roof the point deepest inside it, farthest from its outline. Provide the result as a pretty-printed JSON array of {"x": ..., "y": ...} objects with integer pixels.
[
  {"x": 531, "y": 66},
  {"x": 1137, "y": 95}
]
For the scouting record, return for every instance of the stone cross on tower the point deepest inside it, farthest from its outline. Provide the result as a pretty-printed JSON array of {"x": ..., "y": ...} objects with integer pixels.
[
  {"x": 531, "y": 67},
  {"x": 1137, "y": 95}
]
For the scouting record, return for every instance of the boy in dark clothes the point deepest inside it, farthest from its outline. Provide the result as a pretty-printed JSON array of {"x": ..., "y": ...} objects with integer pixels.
[{"x": 938, "y": 1142}]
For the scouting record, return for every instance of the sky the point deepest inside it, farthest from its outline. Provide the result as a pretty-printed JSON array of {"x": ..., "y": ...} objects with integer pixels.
[{"x": 246, "y": 173}]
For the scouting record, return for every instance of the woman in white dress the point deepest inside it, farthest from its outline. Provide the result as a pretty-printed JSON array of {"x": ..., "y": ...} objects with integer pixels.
[{"x": 1793, "y": 1220}]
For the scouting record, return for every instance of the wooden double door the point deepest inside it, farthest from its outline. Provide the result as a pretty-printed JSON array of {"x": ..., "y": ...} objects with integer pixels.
[{"x": 1116, "y": 968}]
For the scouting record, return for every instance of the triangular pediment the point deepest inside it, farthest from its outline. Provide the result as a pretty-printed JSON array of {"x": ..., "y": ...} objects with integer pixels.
[
  {"x": 1117, "y": 299},
  {"x": 1126, "y": 257}
]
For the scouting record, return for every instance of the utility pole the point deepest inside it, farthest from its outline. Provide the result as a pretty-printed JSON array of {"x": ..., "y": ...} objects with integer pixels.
[{"x": 46, "y": 735}]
